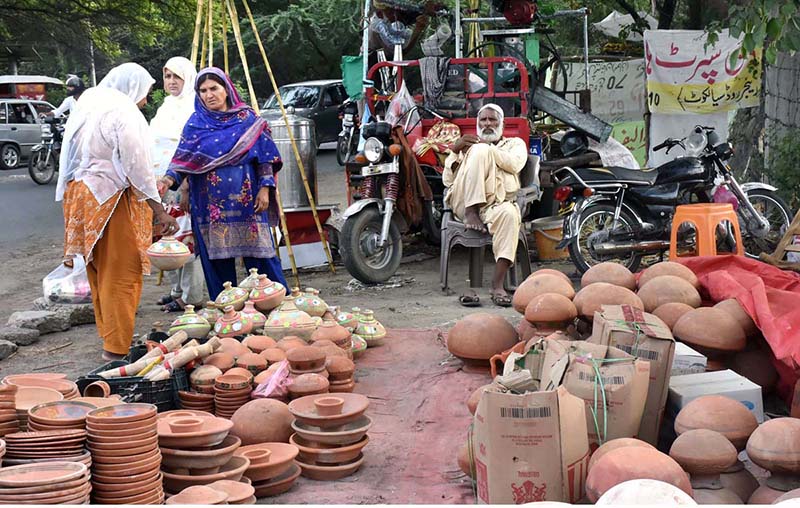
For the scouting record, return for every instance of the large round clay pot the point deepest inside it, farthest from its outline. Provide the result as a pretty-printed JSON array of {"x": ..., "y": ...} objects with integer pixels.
[
  {"x": 739, "y": 480},
  {"x": 592, "y": 297},
  {"x": 668, "y": 268},
  {"x": 267, "y": 295},
  {"x": 668, "y": 289},
  {"x": 475, "y": 397},
  {"x": 262, "y": 421},
  {"x": 525, "y": 330},
  {"x": 727, "y": 416},
  {"x": 765, "y": 495},
  {"x": 703, "y": 452},
  {"x": 756, "y": 365},
  {"x": 233, "y": 347},
  {"x": 646, "y": 493},
  {"x": 775, "y": 446},
  {"x": 332, "y": 331},
  {"x": 732, "y": 307},
  {"x": 550, "y": 271},
  {"x": 480, "y": 336},
  {"x": 726, "y": 335},
  {"x": 633, "y": 463},
  {"x": 550, "y": 312},
  {"x": 196, "y": 327},
  {"x": 258, "y": 343},
  {"x": 168, "y": 253},
  {"x": 611, "y": 273},
  {"x": 539, "y": 285},
  {"x": 464, "y": 463},
  {"x": 669, "y": 313},
  {"x": 620, "y": 442}
]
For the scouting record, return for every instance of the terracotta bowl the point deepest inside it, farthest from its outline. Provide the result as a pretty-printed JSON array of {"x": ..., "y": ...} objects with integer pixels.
[
  {"x": 232, "y": 382},
  {"x": 306, "y": 358},
  {"x": 279, "y": 485},
  {"x": 60, "y": 413},
  {"x": 210, "y": 457},
  {"x": 350, "y": 433},
  {"x": 183, "y": 413},
  {"x": 233, "y": 470},
  {"x": 333, "y": 472},
  {"x": 207, "y": 432},
  {"x": 29, "y": 396},
  {"x": 99, "y": 389},
  {"x": 267, "y": 460},
  {"x": 322, "y": 454}
]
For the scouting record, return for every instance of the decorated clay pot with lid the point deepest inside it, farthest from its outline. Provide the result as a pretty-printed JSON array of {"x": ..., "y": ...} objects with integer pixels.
[
  {"x": 333, "y": 332},
  {"x": 667, "y": 289},
  {"x": 705, "y": 454},
  {"x": 727, "y": 416},
  {"x": 358, "y": 346},
  {"x": 168, "y": 253},
  {"x": 267, "y": 294},
  {"x": 258, "y": 319},
  {"x": 538, "y": 285},
  {"x": 347, "y": 319},
  {"x": 668, "y": 268},
  {"x": 251, "y": 281},
  {"x": 288, "y": 320},
  {"x": 591, "y": 298},
  {"x": 210, "y": 312},
  {"x": 231, "y": 295},
  {"x": 669, "y": 313},
  {"x": 310, "y": 302},
  {"x": 195, "y": 326},
  {"x": 734, "y": 308},
  {"x": 370, "y": 329},
  {"x": 611, "y": 273},
  {"x": 258, "y": 343},
  {"x": 550, "y": 312},
  {"x": 232, "y": 323},
  {"x": 480, "y": 336},
  {"x": 725, "y": 336}
]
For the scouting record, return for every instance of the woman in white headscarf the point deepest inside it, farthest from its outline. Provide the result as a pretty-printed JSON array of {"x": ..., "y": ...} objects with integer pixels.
[
  {"x": 110, "y": 198},
  {"x": 166, "y": 128}
]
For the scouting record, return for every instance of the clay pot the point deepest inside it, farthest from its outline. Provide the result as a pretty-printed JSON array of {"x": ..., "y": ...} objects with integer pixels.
[
  {"x": 347, "y": 320},
  {"x": 168, "y": 254},
  {"x": 475, "y": 397},
  {"x": 592, "y": 297},
  {"x": 196, "y": 327},
  {"x": 726, "y": 334},
  {"x": 258, "y": 343},
  {"x": 232, "y": 323},
  {"x": 251, "y": 281},
  {"x": 267, "y": 295},
  {"x": 644, "y": 493},
  {"x": 669, "y": 313},
  {"x": 765, "y": 495},
  {"x": 291, "y": 342},
  {"x": 256, "y": 318},
  {"x": 703, "y": 452},
  {"x": 306, "y": 358},
  {"x": 525, "y": 330},
  {"x": 231, "y": 295},
  {"x": 775, "y": 446},
  {"x": 550, "y": 312},
  {"x": 333, "y": 332},
  {"x": 310, "y": 302},
  {"x": 329, "y": 411},
  {"x": 308, "y": 384},
  {"x": 613, "y": 445},
  {"x": 288, "y": 320},
  {"x": 210, "y": 312},
  {"x": 739, "y": 480},
  {"x": 732, "y": 307},
  {"x": 330, "y": 473},
  {"x": 610, "y": 273},
  {"x": 669, "y": 268},
  {"x": 358, "y": 346},
  {"x": 340, "y": 368},
  {"x": 273, "y": 355},
  {"x": 370, "y": 329},
  {"x": 539, "y": 285},
  {"x": 262, "y": 421},
  {"x": 222, "y": 361},
  {"x": 233, "y": 470},
  {"x": 233, "y": 346},
  {"x": 550, "y": 271},
  {"x": 668, "y": 289},
  {"x": 198, "y": 494},
  {"x": 756, "y": 365},
  {"x": 633, "y": 463},
  {"x": 480, "y": 336},
  {"x": 203, "y": 458},
  {"x": 463, "y": 460},
  {"x": 252, "y": 362},
  {"x": 99, "y": 389},
  {"x": 238, "y": 492},
  {"x": 727, "y": 416}
]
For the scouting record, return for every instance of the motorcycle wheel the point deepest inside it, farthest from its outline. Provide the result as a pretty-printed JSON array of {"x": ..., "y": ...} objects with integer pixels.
[
  {"x": 40, "y": 172},
  {"x": 595, "y": 219},
  {"x": 776, "y": 211},
  {"x": 432, "y": 224},
  {"x": 358, "y": 247},
  {"x": 343, "y": 145}
]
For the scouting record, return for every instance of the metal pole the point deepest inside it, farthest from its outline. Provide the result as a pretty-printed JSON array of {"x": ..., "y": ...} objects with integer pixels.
[
  {"x": 365, "y": 47},
  {"x": 91, "y": 55},
  {"x": 586, "y": 46},
  {"x": 459, "y": 33},
  {"x": 486, "y": 20}
]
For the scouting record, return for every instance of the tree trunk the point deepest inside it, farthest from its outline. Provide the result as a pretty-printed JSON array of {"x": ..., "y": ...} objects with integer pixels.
[{"x": 666, "y": 12}]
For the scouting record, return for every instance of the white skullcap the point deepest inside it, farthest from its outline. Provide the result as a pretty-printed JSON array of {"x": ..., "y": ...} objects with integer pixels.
[{"x": 494, "y": 107}]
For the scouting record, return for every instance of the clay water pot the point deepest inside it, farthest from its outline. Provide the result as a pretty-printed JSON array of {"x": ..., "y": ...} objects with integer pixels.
[
  {"x": 550, "y": 312},
  {"x": 727, "y": 416},
  {"x": 308, "y": 384},
  {"x": 480, "y": 336},
  {"x": 615, "y": 444},
  {"x": 347, "y": 320},
  {"x": 205, "y": 374},
  {"x": 287, "y": 320},
  {"x": 333, "y": 332},
  {"x": 210, "y": 312},
  {"x": 611, "y": 273},
  {"x": 732, "y": 307},
  {"x": 703, "y": 452},
  {"x": 756, "y": 365},
  {"x": 634, "y": 463},
  {"x": 233, "y": 346},
  {"x": 668, "y": 268},
  {"x": 668, "y": 289},
  {"x": 306, "y": 358},
  {"x": 258, "y": 343},
  {"x": 775, "y": 446},
  {"x": 589, "y": 299},
  {"x": 475, "y": 397},
  {"x": 550, "y": 271},
  {"x": 231, "y": 295},
  {"x": 526, "y": 331},
  {"x": 196, "y": 327},
  {"x": 168, "y": 254},
  {"x": 273, "y": 355},
  {"x": 669, "y": 313},
  {"x": 262, "y": 421},
  {"x": 232, "y": 323},
  {"x": 251, "y": 281},
  {"x": 644, "y": 493},
  {"x": 252, "y": 362},
  {"x": 340, "y": 368},
  {"x": 310, "y": 302},
  {"x": 725, "y": 336},
  {"x": 539, "y": 285},
  {"x": 267, "y": 294},
  {"x": 256, "y": 318},
  {"x": 370, "y": 329},
  {"x": 290, "y": 342}
]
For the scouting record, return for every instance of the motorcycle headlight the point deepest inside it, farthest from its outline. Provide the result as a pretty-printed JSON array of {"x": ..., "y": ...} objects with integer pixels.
[
  {"x": 696, "y": 143},
  {"x": 373, "y": 150}
]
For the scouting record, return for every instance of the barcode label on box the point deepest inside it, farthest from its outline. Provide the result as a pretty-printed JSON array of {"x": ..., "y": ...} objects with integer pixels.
[
  {"x": 525, "y": 412},
  {"x": 610, "y": 380},
  {"x": 645, "y": 354}
]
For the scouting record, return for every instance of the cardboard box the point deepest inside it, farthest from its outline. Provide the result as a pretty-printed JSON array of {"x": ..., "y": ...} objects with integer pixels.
[
  {"x": 530, "y": 447},
  {"x": 645, "y": 337},
  {"x": 687, "y": 361},
  {"x": 684, "y": 389},
  {"x": 614, "y": 400}
]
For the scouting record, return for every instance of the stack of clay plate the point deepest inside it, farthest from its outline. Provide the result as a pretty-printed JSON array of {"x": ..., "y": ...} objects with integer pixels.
[
  {"x": 47, "y": 446},
  {"x": 306, "y": 360},
  {"x": 197, "y": 401},
  {"x": 66, "y": 387},
  {"x": 29, "y": 396},
  {"x": 197, "y": 450},
  {"x": 272, "y": 468},
  {"x": 331, "y": 447},
  {"x": 231, "y": 393},
  {"x": 59, "y": 415},
  {"x": 125, "y": 453},
  {"x": 8, "y": 410},
  {"x": 98, "y": 402},
  {"x": 49, "y": 483},
  {"x": 341, "y": 371}
]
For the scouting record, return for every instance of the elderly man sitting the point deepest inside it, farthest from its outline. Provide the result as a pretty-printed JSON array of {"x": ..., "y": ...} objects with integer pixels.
[{"x": 482, "y": 175}]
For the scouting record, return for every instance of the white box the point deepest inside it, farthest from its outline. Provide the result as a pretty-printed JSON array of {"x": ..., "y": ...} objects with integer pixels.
[
  {"x": 684, "y": 389},
  {"x": 687, "y": 361}
]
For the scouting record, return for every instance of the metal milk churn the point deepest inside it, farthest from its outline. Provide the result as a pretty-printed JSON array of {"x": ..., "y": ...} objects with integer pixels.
[{"x": 290, "y": 183}]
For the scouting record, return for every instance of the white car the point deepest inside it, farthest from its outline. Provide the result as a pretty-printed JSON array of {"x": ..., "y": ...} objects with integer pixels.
[{"x": 20, "y": 129}]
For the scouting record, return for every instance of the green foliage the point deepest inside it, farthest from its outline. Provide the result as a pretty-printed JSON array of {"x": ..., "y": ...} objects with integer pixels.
[
  {"x": 154, "y": 101},
  {"x": 771, "y": 25},
  {"x": 783, "y": 164}
]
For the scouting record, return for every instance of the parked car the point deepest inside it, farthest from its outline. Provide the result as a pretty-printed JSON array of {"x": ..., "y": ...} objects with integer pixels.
[
  {"x": 317, "y": 100},
  {"x": 20, "y": 129}
]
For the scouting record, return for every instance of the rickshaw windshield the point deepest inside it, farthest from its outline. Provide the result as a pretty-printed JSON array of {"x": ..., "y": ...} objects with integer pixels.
[{"x": 295, "y": 96}]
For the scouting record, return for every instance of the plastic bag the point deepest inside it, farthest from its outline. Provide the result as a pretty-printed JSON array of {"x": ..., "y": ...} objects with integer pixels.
[
  {"x": 276, "y": 386},
  {"x": 401, "y": 103},
  {"x": 68, "y": 285}
]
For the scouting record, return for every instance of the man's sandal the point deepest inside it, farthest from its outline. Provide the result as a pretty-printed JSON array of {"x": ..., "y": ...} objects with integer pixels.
[
  {"x": 165, "y": 300},
  {"x": 470, "y": 299},
  {"x": 501, "y": 300}
]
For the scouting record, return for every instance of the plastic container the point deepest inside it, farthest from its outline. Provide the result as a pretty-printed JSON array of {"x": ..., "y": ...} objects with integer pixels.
[{"x": 547, "y": 231}]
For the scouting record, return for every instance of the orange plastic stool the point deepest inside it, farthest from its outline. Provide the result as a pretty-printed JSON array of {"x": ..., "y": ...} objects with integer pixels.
[{"x": 705, "y": 217}]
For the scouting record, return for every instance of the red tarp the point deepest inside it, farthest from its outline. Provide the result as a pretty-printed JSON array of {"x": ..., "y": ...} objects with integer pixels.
[{"x": 772, "y": 298}]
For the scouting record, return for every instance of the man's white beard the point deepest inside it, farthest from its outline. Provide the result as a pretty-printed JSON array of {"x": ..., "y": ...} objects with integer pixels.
[{"x": 489, "y": 135}]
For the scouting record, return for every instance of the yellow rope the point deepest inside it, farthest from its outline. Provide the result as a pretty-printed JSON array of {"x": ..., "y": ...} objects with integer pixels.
[{"x": 196, "y": 39}]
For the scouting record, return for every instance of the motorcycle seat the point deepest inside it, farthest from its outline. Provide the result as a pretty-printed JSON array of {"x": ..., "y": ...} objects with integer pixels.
[{"x": 618, "y": 174}]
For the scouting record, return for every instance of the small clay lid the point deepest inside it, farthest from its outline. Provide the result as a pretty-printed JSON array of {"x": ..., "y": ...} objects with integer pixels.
[
  {"x": 200, "y": 495},
  {"x": 703, "y": 452},
  {"x": 305, "y": 384},
  {"x": 727, "y": 416},
  {"x": 258, "y": 343},
  {"x": 237, "y": 491},
  {"x": 305, "y": 354},
  {"x": 550, "y": 307},
  {"x": 273, "y": 355},
  {"x": 775, "y": 446},
  {"x": 340, "y": 366},
  {"x": 223, "y": 361},
  {"x": 726, "y": 334}
]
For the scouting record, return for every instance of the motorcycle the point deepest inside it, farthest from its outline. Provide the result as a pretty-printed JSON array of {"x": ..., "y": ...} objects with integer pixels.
[
  {"x": 43, "y": 163},
  {"x": 347, "y": 142},
  {"x": 622, "y": 215}
]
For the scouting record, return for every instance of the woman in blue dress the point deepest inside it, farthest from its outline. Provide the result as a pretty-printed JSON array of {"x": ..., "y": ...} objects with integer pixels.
[{"x": 227, "y": 154}]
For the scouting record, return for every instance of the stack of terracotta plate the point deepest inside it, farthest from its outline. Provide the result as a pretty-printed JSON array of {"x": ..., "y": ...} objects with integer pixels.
[
  {"x": 47, "y": 446},
  {"x": 197, "y": 401},
  {"x": 330, "y": 434},
  {"x": 8, "y": 412},
  {"x": 50, "y": 483},
  {"x": 272, "y": 468},
  {"x": 341, "y": 371},
  {"x": 231, "y": 393},
  {"x": 62, "y": 414},
  {"x": 66, "y": 387},
  {"x": 125, "y": 453},
  {"x": 306, "y": 360},
  {"x": 29, "y": 396}
]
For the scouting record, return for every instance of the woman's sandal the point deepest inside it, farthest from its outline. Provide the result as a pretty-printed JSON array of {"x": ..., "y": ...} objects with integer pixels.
[
  {"x": 165, "y": 300},
  {"x": 501, "y": 300},
  {"x": 172, "y": 306}
]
